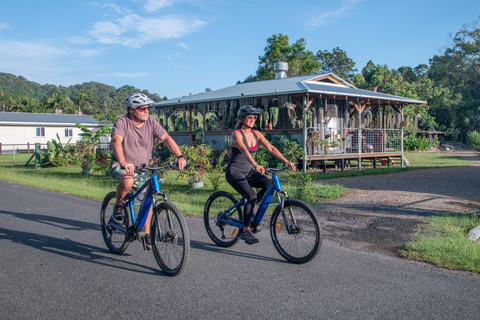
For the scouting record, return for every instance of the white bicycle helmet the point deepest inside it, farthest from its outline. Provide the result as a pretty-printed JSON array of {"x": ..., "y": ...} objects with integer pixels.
[{"x": 137, "y": 100}]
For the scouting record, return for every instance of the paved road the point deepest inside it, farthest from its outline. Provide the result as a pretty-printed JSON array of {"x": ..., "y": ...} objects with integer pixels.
[{"x": 54, "y": 265}]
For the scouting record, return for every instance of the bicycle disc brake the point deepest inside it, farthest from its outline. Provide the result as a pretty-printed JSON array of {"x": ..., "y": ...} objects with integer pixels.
[
  {"x": 170, "y": 237},
  {"x": 296, "y": 230}
]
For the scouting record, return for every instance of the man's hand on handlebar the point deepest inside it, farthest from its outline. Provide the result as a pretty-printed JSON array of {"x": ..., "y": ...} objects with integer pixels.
[
  {"x": 129, "y": 167},
  {"x": 181, "y": 163}
]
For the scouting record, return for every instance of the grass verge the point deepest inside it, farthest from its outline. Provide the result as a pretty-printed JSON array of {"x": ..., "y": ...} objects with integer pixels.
[
  {"x": 418, "y": 160},
  {"x": 442, "y": 240},
  {"x": 69, "y": 180}
]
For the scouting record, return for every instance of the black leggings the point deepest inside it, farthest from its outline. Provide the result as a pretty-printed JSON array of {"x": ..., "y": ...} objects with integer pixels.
[{"x": 243, "y": 184}]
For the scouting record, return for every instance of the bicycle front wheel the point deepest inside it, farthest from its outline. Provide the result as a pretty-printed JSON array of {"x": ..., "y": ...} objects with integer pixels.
[
  {"x": 221, "y": 233},
  {"x": 116, "y": 240},
  {"x": 170, "y": 238},
  {"x": 295, "y": 231}
]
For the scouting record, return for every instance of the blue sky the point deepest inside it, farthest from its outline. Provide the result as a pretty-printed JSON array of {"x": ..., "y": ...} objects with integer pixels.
[{"x": 177, "y": 47}]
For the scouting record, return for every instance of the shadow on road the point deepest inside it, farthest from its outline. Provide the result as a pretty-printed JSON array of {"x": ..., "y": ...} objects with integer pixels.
[
  {"x": 200, "y": 245},
  {"x": 64, "y": 223}
]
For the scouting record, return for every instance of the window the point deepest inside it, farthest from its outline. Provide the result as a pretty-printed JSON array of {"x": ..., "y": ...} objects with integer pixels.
[
  {"x": 40, "y": 132},
  {"x": 68, "y": 132}
]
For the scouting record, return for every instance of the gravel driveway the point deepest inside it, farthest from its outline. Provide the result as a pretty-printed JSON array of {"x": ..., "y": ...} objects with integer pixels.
[{"x": 381, "y": 214}]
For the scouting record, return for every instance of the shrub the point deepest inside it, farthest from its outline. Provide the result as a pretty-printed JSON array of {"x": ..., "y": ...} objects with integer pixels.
[
  {"x": 217, "y": 172},
  {"x": 289, "y": 147},
  {"x": 302, "y": 182},
  {"x": 102, "y": 162},
  {"x": 411, "y": 143},
  {"x": 198, "y": 162},
  {"x": 474, "y": 137}
]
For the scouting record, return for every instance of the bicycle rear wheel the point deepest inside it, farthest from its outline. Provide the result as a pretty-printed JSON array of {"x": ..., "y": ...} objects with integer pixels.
[
  {"x": 170, "y": 238},
  {"x": 221, "y": 233},
  {"x": 296, "y": 234},
  {"x": 116, "y": 240}
]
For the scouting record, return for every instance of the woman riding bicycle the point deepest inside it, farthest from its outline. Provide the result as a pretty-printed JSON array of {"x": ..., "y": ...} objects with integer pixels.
[{"x": 243, "y": 173}]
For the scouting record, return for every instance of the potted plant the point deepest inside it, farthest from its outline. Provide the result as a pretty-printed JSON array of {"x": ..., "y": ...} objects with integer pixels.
[{"x": 198, "y": 162}]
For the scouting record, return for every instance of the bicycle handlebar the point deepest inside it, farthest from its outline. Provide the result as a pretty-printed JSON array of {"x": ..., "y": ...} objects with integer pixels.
[
  {"x": 273, "y": 170},
  {"x": 144, "y": 167}
]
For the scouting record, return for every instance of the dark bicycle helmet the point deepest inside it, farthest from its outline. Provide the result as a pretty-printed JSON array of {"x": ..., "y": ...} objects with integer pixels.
[
  {"x": 247, "y": 110},
  {"x": 137, "y": 100}
]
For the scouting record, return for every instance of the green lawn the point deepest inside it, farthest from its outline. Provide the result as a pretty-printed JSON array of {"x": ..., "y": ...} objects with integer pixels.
[{"x": 69, "y": 180}]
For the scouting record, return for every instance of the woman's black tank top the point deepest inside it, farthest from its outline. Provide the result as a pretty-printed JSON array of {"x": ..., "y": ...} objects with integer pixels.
[{"x": 239, "y": 161}]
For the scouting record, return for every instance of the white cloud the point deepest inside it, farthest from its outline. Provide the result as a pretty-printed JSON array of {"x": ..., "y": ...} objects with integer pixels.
[
  {"x": 134, "y": 30},
  {"x": 117, "y": 9},
  {"x": 331, "y": 16},
  {"x": 154, "y": 5},
  {"x": 37, "y": 61},
  {"x": 183, "y": 45},
  {"x": 4, "y": 26}
]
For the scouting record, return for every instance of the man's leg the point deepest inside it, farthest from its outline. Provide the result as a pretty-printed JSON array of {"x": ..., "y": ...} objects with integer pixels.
[{"x": 125, "y": 184}]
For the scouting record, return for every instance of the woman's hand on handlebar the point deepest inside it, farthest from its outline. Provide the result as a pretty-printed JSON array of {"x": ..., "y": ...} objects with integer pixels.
[
  {"x": 259, "y": 168},
  {"x": 291, "y": 165}
]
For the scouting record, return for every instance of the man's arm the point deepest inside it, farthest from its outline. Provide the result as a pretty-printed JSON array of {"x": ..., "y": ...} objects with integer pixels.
[{"x": 118, "y": 150}]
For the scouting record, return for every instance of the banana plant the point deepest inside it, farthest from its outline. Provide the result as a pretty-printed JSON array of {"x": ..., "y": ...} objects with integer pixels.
[{"x": 93, "y": 137}]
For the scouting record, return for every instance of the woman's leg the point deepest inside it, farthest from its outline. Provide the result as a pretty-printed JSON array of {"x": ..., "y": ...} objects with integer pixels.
[{"x": 240, "y": 183}]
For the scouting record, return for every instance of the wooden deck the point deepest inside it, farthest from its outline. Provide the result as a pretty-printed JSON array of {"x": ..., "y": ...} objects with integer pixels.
[{"x": 342, "y": 160}]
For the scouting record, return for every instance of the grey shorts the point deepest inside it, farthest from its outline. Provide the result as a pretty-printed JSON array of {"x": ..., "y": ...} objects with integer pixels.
[{"x": 140, "y": 178}]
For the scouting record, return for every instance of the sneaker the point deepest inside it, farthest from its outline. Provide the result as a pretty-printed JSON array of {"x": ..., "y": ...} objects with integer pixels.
[
  {"x": 117, "y": 216},
  {"x": 256, "y": 228},
  {"x": 248, "y": 237},
  {"x": 148, "y": 242}
]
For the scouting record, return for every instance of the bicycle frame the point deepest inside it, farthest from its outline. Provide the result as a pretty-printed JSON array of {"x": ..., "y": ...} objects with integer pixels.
[
  {"x": 273, "y": 188},
  {"x": 152, "y": 187}
]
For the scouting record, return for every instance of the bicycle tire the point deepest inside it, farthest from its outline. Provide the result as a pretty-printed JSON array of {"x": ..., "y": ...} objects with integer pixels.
[
  {"x": 304, "y": 243},
  {"x": 116, "y": 240},
  {"x": 221, "y": 234},
  {"x": 171, "y": 246}
]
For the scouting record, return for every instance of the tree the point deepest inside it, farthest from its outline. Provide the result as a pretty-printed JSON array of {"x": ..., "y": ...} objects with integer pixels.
[
  {"x": 300, "y": 61},
  {"x": 337, "y": 62},
  {"x": 85, "y": 101},
  {"x": 458, "y": 70}
]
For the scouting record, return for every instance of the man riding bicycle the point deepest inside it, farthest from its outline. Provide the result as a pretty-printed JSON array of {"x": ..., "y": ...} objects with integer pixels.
[{"x": 132, "y": 142}]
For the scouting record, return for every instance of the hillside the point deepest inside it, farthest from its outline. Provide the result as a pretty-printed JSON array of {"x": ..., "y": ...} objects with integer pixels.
[{"x": 98, "y": 96}]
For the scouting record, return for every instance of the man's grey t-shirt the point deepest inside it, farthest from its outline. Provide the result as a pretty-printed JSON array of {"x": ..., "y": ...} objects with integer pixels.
[{"x": 137, "y": 142}]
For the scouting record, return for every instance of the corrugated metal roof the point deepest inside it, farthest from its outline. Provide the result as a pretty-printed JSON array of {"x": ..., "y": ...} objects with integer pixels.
[
  {"x": 287, "y": 86},
  {"x": 46, "y": 118}
]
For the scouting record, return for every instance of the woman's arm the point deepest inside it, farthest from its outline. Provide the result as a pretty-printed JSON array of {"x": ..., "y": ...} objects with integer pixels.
[{"x": 273, "y": 150}]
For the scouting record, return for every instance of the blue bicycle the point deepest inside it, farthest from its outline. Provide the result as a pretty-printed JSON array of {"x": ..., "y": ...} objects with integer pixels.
[
  {"x": 294, "y": 228},
  {"x": 168, "y": 230}
]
